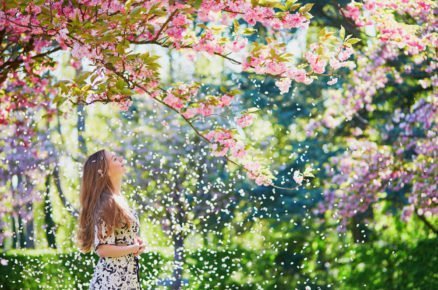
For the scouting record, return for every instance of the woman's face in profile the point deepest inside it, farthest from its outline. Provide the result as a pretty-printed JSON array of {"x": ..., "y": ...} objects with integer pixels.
[{"x": 116, "y": 164}]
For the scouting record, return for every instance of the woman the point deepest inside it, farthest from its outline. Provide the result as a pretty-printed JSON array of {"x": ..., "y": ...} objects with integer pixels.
[{"x": 107, "y": 225}]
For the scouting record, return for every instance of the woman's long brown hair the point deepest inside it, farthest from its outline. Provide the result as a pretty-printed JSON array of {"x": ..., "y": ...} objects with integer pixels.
[{"x": 97, "y": 200}]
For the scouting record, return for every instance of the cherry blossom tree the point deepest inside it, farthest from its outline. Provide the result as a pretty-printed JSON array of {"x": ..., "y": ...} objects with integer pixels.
[
  {"x": 397, "y": 70},
  {"x": 114, "y": 36},
  {"x": 363, "y": 117}
]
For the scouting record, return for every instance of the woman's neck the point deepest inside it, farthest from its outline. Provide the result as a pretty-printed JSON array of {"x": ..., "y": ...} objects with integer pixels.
[{"x": 117, "y": 183}]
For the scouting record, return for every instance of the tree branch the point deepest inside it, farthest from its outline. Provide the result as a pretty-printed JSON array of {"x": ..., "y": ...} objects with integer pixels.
[
  {"x": 426, "y": 222},
  {"x": 136, "y": 84}
]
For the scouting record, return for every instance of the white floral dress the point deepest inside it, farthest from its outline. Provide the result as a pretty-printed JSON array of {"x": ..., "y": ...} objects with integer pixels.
[{"x": 121, "y": 272}]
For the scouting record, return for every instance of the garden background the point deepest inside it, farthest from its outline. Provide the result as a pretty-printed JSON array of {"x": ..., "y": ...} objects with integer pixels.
[{"x": 270, "y": 144}]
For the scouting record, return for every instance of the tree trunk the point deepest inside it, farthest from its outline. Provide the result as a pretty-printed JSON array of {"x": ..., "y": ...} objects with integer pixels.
[
  {"x": 361, "y": 233},
  {"x": 26, "y": 226},
  {"x": 21, "y": 237},
  {"x": 18, "y": 226},
  {"x": 178, "y": 239},
  {"x": 81, "y": 128},
  {"x": 48, "y": 216},
  {"x": 14, "y": 233},
  {"x": 2, "y": 241},
  {"x": 29, "y": 241},
  {"x": 178, "y": 258},
  {"x": 64, "y": 200}
]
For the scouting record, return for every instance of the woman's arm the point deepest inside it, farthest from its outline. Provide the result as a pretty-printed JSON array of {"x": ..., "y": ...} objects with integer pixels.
[
  {"x": 105, "y": 242},
  {"x": 115, "y": 251}
]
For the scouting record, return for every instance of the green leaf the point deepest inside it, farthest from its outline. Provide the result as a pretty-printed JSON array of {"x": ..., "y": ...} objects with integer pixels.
[
  {"x": 249, "y": 31},
  {"x": 290, "y": 3},
  {"x": 235, "y": 92},
  {"x": 342, "y": 32},
  {"x": 308, "y": 15},
  {"x": 136, "y": 11},
  {"x": 197, "y": 3},
  {"x": 150, "y": 28},
  {"x": 120, "y": 48},
  {"x": 85, "y": 88},
  {"x": 93, "y": 77},
  {"x": 126, "y": 92},
  {"x": 252, "y": 110},
  {"x": 120, "y": 84},
  {"x": 294, "y": 7},
  {"x": 308, "y": 174},
  {"x": 57, "y": 99},
  {"x": 45, "y": 116},
  {"x": 353, "y": 40},
  {"x": 128, "y": 4},
  {"x": 280, "y": 6},
  {"x": 236, "y": 25},
  {"x": 82, "y": 77},
  {"x": 306, "y": 8}
]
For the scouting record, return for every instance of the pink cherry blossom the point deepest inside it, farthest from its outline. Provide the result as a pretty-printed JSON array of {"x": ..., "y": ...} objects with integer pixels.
[
  {"x": 173, "y": 101},
  {"x": 317, "y": 64},
  {"x": 298, "y": 177},
  {"x": 295, "y": 20},
  {"x": 245, "y": 120},
  {"x": 205, "y": 109},
  {"x": 225, "y": 100},
  {"x": 190, "y": 113},
  {"x": 283, "y": 85},
  {"x": 332, "y": 81},
  {"x": 238, "y": 44}
]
